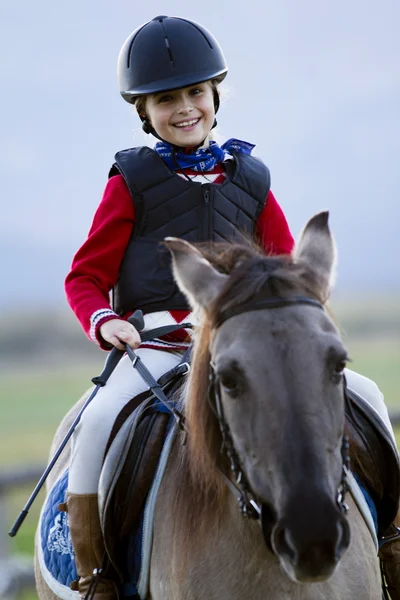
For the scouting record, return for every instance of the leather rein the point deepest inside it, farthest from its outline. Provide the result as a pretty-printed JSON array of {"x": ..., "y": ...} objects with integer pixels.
[{"x": 237, "y": 482}]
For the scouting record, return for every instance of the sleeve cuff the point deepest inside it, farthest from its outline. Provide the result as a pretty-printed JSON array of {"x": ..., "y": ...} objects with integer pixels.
[{"x": 96, "y": 320}]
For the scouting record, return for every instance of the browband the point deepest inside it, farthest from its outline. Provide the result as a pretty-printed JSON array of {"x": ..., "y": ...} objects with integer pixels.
[{"x": 265, "y": 303}]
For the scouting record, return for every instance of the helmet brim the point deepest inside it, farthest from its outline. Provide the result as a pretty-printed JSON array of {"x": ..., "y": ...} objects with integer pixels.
[{"x": 172, "y": 83}]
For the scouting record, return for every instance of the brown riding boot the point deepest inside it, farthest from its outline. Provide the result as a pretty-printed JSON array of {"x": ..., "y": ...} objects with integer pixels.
[
  {"x": 87, "y": 540},
  {"x": 389, "y": 553}
]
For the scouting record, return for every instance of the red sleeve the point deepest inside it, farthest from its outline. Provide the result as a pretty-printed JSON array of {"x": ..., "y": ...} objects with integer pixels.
[
  {"x": 96, "y": 264},
  {"x": 273, "y": 229}
]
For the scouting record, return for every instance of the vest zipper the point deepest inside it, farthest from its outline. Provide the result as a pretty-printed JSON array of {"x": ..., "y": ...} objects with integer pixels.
[{"x": 206, "y": 221}]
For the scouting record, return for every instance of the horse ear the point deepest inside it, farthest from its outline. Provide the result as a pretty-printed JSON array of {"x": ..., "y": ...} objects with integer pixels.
[
  {"x": 317, "y": 249},
  {"x": 195, "y": 276}
]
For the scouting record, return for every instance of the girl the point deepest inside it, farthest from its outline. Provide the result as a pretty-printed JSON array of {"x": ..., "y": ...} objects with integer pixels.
[{"x": 188, "y": 187}]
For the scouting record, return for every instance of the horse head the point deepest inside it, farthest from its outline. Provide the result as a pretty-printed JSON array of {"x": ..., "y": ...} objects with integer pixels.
[{"x": 277, "y": 361}]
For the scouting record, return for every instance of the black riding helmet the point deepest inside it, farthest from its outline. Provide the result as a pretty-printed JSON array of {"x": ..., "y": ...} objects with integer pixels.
[{"x": 168, "y": 53}]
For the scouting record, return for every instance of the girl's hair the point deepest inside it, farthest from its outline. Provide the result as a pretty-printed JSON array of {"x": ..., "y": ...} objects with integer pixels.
[
  {"x": 140, "y": 104},
  {"x": 140, "y": 101}
]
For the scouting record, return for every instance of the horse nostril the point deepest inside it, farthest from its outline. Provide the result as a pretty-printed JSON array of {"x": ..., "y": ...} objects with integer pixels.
[
  {"x": 282, "y": 544},
  {"x": 343, "y": 538}
]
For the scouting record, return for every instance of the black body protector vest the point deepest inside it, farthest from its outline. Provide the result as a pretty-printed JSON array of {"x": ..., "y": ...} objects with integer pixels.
[{"x": 168, "y": 205}]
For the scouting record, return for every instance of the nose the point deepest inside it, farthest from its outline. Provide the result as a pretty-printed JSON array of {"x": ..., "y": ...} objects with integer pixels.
[
  {"x": 184, "y": 110},
  {"x": 185, "y": 106}
]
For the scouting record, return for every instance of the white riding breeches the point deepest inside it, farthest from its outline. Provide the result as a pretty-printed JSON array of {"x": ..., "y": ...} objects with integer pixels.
[{"x": 90, "y": 438}]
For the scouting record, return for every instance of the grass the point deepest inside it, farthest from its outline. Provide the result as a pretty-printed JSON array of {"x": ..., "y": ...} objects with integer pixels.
[
  {"x": 380, "y": 361},
  {"x": 32, "y": 403}
]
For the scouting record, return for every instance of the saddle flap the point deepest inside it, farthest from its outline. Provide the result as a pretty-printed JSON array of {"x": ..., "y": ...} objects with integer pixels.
[{"x": 137, "y": 474}]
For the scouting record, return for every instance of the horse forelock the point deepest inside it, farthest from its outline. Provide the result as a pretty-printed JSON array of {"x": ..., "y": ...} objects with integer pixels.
[
  {"x": 199, "y": 501},
  {"x": 204, "y": 438},
  {"x": 266, "y": 276}
]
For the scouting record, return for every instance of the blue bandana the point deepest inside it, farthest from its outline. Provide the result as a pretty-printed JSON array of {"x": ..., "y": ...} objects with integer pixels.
[{"x": 203, "y": 159}]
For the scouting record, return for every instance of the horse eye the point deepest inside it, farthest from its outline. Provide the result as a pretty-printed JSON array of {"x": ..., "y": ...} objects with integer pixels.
[
  {"x": 340, "y": 366},
  {"x": 337, "y": 375},
  {"x": 228, "y": 383},
  {"x": 232, "y": 379}
]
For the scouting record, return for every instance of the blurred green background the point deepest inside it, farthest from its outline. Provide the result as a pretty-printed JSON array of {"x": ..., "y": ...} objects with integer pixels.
[{"x": 46, "y": 364}]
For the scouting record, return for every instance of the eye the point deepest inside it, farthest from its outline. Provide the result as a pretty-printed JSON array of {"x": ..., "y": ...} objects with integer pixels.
[
  {"x": 195, "y": 91},
  {"x": 230, "y": 377},
  {"x": 232, "y": 380},
  {"x": 165, "y": 98},
  {"x": 339, "y": 367},
  {"x": 228, "y": 382}
]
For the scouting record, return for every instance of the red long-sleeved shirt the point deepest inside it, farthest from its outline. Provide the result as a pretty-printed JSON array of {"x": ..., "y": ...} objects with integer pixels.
[{"x": 96, "y": 264}]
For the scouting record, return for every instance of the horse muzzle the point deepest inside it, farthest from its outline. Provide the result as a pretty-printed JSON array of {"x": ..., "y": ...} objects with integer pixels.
[{"x": 310, "y": 548}]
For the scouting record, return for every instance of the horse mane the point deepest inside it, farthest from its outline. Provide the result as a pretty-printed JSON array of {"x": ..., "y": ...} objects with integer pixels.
[{"x": 250, "y": 272}]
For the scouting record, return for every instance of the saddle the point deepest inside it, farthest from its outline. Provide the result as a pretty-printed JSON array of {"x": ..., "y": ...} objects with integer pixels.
[{"x": 137, "y": 440}]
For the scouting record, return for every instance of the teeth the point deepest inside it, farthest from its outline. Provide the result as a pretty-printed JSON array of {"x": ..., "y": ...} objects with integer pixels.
[{"x": 186, "y": 123}]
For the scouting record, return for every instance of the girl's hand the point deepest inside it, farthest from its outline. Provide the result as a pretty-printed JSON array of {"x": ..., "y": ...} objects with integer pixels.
[{"x": 118, "y": 333}]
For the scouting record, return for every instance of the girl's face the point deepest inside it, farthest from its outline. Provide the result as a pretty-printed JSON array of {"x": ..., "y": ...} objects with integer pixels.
[{"x": 182, "y": 117}]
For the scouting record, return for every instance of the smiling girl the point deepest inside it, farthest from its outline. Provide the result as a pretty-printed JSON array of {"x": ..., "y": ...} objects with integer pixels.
[{"x": 187, "y": 186}]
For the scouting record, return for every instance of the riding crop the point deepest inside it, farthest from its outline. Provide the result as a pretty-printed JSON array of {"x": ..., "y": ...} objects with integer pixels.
[{"x": 112, "y": 360}]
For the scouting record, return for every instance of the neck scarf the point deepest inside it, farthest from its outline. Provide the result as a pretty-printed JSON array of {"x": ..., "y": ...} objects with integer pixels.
[{"x": 202, "y": 159}]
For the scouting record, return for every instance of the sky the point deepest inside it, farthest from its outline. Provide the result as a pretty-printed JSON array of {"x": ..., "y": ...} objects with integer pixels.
[{"x": 314, "y": 84}]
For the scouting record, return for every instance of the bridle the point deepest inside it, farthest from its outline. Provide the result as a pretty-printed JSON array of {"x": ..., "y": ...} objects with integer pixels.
[{"x": 237, "y": 481}]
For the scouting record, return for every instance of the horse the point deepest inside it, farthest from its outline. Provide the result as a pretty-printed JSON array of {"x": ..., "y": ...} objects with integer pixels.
[{"x": 264, "y": 417}]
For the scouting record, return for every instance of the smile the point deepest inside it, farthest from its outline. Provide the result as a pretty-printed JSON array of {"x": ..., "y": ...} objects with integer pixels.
[{"x": 187, "y": 123}]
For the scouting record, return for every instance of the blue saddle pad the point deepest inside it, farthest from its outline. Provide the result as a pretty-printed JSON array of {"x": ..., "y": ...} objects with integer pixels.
[
  {"x": 371, "y": 504},
  {"x": 56, "y": 553}
]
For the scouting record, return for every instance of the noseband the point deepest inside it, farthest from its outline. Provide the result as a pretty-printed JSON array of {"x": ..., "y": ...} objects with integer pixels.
[{"x": 239, "y": 485}]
